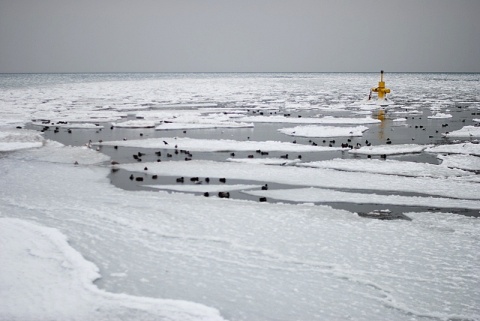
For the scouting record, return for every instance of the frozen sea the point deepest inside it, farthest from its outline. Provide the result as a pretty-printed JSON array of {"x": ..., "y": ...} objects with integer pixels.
[{"x": 113, "y": 197}]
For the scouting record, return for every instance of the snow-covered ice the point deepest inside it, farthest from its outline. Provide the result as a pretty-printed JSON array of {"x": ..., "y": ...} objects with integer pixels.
[
  {"x": 459, "y": 148},
  {"x": 318, "y": 177},
  {"x": 467, "y": 162},
  {"x": 309, "y": 120},
  {"x": 252, "y": 255},
  {"x": 177, "y": 126},
  {"x": 60, "y": 286},
  {"x": 138, "y": 123},
  {"x": 390, "y": 149},
  {"x": 265, "y": 161},
  {"x": 55, "y": 152},
  {"x": 318, "y": 195},
  {"x": 75, "y": 125},
  {"x": 440, "y": 116},
  {"x": 11, "y": 140},
  {"x": 388, "y": 167},
  {"x": 324, "y": 131},
  {"x": 466, "y": 131},
  {"x": 214, "y": 145}
]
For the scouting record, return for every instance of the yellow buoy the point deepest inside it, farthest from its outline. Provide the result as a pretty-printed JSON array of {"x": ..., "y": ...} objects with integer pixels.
[{"x": 381, "y": 90}]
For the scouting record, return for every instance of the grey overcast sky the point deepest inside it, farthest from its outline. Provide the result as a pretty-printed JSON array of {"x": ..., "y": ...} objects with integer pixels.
[{"x": 239, "y": 35}]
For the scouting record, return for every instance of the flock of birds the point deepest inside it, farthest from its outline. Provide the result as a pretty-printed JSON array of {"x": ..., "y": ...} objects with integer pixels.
[{"x": 178, "y": 154}]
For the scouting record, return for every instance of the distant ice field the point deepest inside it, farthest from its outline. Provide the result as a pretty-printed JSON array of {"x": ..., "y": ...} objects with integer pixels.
[{"x": 239, "y": 197}]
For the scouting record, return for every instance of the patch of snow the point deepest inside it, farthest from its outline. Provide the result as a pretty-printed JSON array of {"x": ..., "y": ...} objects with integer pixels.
[
  {"x": 319, "y": 195},
  {"x": 135, "y": 124},
  {"x": 43, "y": 278},
  {"x": 440, "y": 116},
  {"x": 217, "y": 145},
  {"x": 177, "y": 126},
  {"x": 265, "y": 161},
  {"x": 324, "y": 131},
  {"x": 467, "y": 162},
  {"x": 309, "y": 120},
  {"x": 187, "y": 105},
  {"x": 390, "y": 149},
  {"x": 68, "y": 154},
  {"x": 466, "y": 131},
  {"x": 387, "y": 167},
  {"x": 17, "y": 139},
  {"x": 69, "y": 125},
  {"x": 460, "y": 148}
]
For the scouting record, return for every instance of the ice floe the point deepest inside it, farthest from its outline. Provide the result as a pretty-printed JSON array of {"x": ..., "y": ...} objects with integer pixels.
[
  {"x": 440, "y": 116},
  {"x": 324, "y": 131},
  {"x": 11, "y": 140},
  {"x": 179, "y": 126},
  {"x": 214, "y": 145},
  {"x": 390, "y": 149},
  {"x": 467, "y": 162},
  {"x": 135, "y": 124},
  {"x": 466, "y": 131},
  {"x": 309, "y": 120},
  {"x": 459, "y": 148},
  {"x": 188, "y": 105},
  {"x": 67, "y": 125},
  {"x": 60, "y": 286},
  {"x": 265, "y": 161},
  {"x": 68, "y": 154},
  {"x": 387, "y": 167}
]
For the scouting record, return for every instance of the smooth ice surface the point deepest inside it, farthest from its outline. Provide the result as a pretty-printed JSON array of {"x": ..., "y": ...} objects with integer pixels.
[
  {"x": 220, "y": 145},
  {"x": 43, "y": 278},
  {"x": 466, "y": 131},
  {"x": 388, "y": 167},
  {"x": 460, "y": 148},
  {"x": 324, "y": 131},
  {"x": 390, "y": 149},
  {"x": 311, "y": 177}
]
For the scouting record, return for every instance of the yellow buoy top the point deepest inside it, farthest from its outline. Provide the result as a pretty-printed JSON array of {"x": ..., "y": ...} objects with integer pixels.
[{"x": 381, "y": 90}]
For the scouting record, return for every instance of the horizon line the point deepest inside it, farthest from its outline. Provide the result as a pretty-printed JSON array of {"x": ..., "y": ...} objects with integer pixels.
[{"x": 238, "y": 72}]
